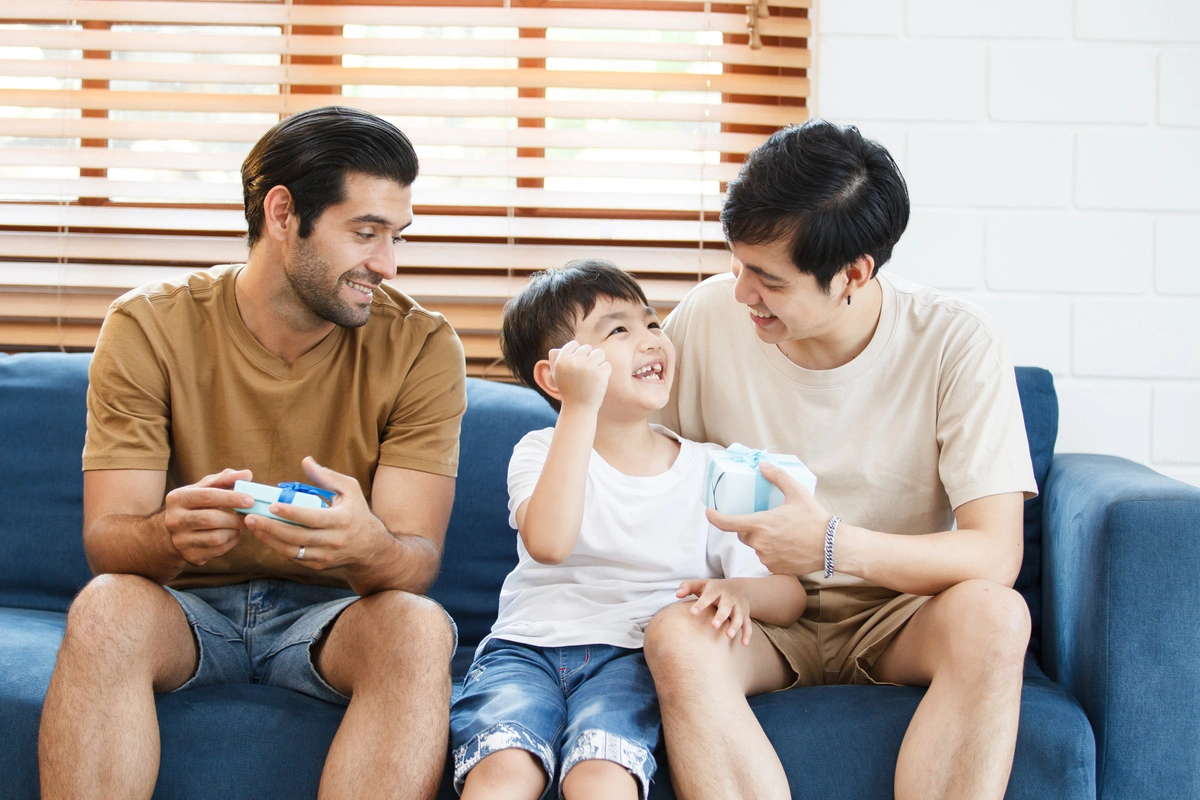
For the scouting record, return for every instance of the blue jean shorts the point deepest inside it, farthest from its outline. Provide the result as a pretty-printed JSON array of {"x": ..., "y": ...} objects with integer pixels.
[
  {"x": 262, "y": 632},
  {"x": 562, "y": 704}
]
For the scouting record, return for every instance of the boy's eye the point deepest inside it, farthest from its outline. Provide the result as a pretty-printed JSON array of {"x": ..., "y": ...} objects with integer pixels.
[
  {"x": 618, "y": 329},
  {"x": 654, "y": 325}
]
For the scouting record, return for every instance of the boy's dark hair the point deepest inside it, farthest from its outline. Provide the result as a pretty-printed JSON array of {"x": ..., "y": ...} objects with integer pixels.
[
  {"x": 544, "y": 314},
  {"x": 310, "y": 154},
  {"x": 830, "y": 192}
]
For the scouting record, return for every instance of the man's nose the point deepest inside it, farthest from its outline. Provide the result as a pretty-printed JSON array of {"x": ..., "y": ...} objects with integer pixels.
[{"x": 383, "y": 258}]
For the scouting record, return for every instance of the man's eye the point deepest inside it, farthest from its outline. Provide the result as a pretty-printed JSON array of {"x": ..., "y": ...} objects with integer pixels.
[
  {"x": 397, "y": 240},
  {"x": 366, "y": 236}
]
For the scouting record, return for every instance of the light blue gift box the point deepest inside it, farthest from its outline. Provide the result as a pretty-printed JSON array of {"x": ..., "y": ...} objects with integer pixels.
[
  {"x": 735, "y": 485},
  {"x": 292, "y": 493}
]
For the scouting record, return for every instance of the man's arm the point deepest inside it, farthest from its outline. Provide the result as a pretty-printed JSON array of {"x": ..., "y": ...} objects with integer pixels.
[
  {"x": 396, "y": 544},
  {"x": 790, "y": 538},
  {"x": 129, "y": 527}
]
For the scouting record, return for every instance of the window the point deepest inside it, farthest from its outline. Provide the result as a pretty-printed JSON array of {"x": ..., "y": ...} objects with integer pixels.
[{"x": 547, "y": 130}]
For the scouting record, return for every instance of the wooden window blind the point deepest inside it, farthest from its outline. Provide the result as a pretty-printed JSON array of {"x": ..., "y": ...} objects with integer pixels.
[{"x": 546, "y": 129}]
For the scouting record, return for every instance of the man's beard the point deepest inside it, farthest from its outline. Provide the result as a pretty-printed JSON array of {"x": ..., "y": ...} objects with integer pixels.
[{"x": 308, "y": 274}]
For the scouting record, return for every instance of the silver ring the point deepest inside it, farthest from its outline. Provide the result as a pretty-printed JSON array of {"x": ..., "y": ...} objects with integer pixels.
[{"x": 300, "y": 555}]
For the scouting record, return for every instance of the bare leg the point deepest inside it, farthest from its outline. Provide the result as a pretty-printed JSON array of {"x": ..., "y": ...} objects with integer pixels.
[
  {"x": 968, "y": 645},
  {"x": 126, "y": 638},
  {"x": 594, "y": 779},
  {"x": 506, "y": 775},
  {"x": 390, "y": 653},
  {"x": 717, "y": 748}
]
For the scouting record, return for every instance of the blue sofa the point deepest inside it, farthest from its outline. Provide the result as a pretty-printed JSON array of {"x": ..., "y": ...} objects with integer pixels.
[{"x": 1111, "y": 560}]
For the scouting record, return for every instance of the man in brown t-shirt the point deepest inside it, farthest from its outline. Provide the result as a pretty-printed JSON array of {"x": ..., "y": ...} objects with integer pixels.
[{"x": 296, "y": 366}]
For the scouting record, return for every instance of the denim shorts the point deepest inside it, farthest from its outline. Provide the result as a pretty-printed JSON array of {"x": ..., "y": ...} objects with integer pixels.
[
  {"x": 562, "y": 704},
  {"x": 262, "y": 632}
]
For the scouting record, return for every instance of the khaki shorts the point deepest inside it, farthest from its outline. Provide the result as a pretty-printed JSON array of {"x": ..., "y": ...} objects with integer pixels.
[{"x": 842, "y": 633}]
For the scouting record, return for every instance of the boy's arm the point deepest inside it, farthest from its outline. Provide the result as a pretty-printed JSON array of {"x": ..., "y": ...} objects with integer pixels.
[
  {"x": 549, "y": 520},
  {"x": 774, "y": 599}
]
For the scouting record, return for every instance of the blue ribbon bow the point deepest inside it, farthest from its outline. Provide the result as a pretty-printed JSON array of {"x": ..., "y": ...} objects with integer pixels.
[{"x": 288, "y": 492}]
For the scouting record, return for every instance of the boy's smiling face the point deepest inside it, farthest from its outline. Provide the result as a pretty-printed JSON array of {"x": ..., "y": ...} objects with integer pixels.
[{"x": 637, "y": 348}]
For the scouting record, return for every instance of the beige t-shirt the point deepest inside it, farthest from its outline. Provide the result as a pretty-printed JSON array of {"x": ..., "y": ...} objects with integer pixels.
[
  {"x": 178, "y": 383},
  {"x": 925, "y": 419}
]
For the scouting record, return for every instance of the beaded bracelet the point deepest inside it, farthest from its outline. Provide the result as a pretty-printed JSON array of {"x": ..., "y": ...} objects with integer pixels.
[{"x": 830, "y": 530}]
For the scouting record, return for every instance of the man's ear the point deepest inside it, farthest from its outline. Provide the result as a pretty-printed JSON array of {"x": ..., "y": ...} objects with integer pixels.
[
  {"x": 279, "y": 216},
  {"x": 858, "y": 274},
  {"x": 544, "y": 378}
]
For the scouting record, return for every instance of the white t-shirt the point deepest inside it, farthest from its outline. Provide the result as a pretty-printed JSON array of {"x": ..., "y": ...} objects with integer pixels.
[
  {"x": 640, "y": 537},
  {"x": 925, "y": 419}
]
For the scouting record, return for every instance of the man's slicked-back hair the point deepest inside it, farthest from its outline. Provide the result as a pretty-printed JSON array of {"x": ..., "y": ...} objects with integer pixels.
[
  {"x": 545, "y": 313},
  {"x": 311, "y": 153},
  {"x": 828, "y": 191}
]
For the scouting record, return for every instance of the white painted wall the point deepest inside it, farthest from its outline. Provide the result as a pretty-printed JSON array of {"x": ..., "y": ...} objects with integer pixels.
[{"x": 1052, "y": 151}]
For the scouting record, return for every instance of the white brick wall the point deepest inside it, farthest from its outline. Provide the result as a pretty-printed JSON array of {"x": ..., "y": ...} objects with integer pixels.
[{"x": 1052, "y": 151}]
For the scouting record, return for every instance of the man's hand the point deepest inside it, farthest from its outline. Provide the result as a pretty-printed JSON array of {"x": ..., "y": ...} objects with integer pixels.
[
  {"x": 789, "y": 539},
  {"x": 346, "y": 534},
  {"x": 580, "y": 372},
  {"x": 200, "y": 519},
  {"x": 730, "y": 604}
]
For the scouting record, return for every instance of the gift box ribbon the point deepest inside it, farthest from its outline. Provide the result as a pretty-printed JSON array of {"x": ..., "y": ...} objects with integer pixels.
[
  {"x": 287, "y": 492},
  {"x": 747, "y": 455}
]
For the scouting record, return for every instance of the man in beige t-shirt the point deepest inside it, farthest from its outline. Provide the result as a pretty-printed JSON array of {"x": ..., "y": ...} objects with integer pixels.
[
  {"x": 299, "y": 365},
  {"x": 903, "y": 402}
]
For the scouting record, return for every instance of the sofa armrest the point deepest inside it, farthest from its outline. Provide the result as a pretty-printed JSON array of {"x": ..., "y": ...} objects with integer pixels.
[{"x": 1120, "y": 593}]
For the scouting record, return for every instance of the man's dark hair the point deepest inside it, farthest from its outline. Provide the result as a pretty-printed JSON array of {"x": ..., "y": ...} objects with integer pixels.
[
  {"x": 833, "y": 194},
  {"x": 310, "y": 154},
  {"x": 544, "y": 314}
]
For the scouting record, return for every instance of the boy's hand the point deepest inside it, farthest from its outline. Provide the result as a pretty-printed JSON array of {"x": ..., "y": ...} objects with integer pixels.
[
  {"x": 580, "y": 372},
  {"x": 729, "y": 604}
]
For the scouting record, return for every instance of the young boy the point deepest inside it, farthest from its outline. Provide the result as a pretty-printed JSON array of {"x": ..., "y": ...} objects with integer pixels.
[{"x": 610, "y": 513}]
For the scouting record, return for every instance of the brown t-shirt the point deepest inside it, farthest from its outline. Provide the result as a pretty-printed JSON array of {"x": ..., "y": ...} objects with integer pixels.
[{"x": 178, "y": 383}]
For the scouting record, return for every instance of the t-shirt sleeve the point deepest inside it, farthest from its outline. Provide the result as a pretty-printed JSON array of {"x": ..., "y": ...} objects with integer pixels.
[
  {"x": 524, "y": 469},
  {"x": 128, "y": 400},
  {"x": 422, "y": 431},
  {"x": 980, "y": 427}
]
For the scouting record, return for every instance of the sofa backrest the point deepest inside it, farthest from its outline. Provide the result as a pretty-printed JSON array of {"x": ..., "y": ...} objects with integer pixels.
[{"x": 42, "y": 419}]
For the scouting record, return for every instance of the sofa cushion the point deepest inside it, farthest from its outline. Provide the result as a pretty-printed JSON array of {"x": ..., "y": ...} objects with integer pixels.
[
  {"x": 30, "y": 645},
  {"x": 842, "y": 741},
  {"x": 42, "y": 422}
]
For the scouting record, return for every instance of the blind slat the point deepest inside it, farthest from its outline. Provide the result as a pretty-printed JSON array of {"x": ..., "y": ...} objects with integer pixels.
[
  {"x": 308, "y": 45},
  {"x": 204, "y": 251},
  {"x": 215, "y": 13}
]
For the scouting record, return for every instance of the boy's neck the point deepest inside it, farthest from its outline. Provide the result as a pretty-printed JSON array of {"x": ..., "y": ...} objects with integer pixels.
[{"x": 632, "y": 448}]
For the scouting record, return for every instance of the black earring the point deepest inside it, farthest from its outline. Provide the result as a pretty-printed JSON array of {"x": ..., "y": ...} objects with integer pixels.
[{"x": 847, "y": 299}]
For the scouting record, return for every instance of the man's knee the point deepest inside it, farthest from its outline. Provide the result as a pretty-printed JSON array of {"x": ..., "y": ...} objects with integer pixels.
[
  {"x": 400, "y": 622},
  {"x": 115, "y": 620},
  {"x": 991, "y": 623},
  {"x": 677, "y": 638}
]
